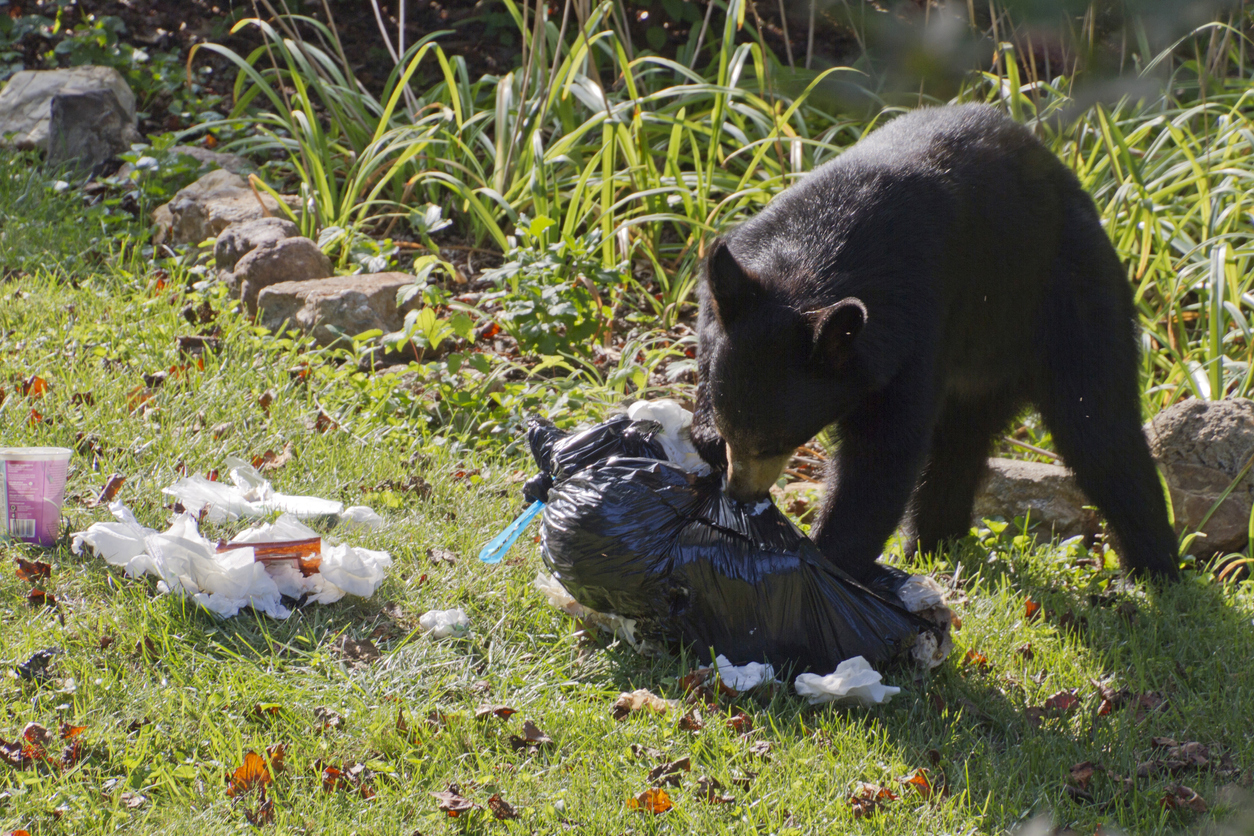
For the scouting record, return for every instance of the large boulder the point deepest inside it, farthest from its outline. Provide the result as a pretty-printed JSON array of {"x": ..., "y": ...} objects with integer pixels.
[
  {"x": 1202, "y": 446},
  {"x": 239, "y": 239},
  {"x": 1043, "y": 493},
  {"x": 87, "y": 128},
  {"x": 279, "y": 262},
  {"x": 351, "y": 305},
  {"x": 210, "y": 205},
  {"x": 26, "y": 101}
]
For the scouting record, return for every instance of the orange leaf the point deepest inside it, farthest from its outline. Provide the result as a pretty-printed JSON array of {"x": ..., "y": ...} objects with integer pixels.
[
  {"x": 253, "y": 773},
  {"x": 740, "y": 723},
  {"x": 979, "y": 660},
  {"x": 34, "y": 387},
  {"x": 920, "y": 781},
  {"x": 1030, "y": 608},
  {"x": 654, "y": 800},
  {"x": 32, "y": 571},
  {"x": 68, "y": 732},
  {"x": 41, "y": 599},
  {"x": 110, "y": 489}
]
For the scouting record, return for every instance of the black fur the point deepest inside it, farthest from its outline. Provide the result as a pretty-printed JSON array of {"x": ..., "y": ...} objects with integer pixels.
[{"x": 918, "y": 292}]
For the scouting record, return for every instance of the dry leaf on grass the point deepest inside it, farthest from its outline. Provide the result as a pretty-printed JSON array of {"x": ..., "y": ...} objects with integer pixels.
[
  {"x": 501, "y": 808},
  {"x": 740, "y": 723},
  {"x": 710, "y": 790},
  {"x": 451, "y": 801},
  {"x": 111, "y": 487},
  {"x": 502, "y": 711},
  {"x": 253, "y": 773},
  {"x": 671, "y": 771},
  {"x": 32, "y": 571},
  {"x": 532, "y": 739},
  {"x": 638, "y": 700},
  {"x": 1182, "y": 797},
  {"x": 866, "y": 799},
  {"x": 653, "y": 800}
]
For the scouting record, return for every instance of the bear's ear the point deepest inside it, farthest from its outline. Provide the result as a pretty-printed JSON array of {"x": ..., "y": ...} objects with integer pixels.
[
  {"x": 732, "y": 289},
  {"x": 836, "y": 327}
]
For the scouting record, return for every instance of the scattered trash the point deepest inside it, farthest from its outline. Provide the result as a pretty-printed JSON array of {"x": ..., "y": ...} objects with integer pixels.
[
  {"x": 627, "y": 531},
  {"x": 854, "y": 680},
  {"x": 743, "y": 677},
  {"x": 619, "y": 627},
  {"x": 257, "y": 568},
  {"x": 32, "y": 486},
  {"x": 252, "y": 495},
  {"x": 440, "y": 624}
]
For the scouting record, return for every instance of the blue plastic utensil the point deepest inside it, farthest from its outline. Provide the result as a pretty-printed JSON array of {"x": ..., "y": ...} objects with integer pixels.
[{"x": 496, "y": 549}]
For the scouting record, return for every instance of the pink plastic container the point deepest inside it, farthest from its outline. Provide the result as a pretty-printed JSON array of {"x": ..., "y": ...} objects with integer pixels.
[{"x": 32, "y": 485}]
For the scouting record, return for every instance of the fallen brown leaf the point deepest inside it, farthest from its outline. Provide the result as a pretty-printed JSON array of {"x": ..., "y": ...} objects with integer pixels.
[
  {"x": 502, "y": 711},
  {"x": 670, "y": 771},
  {"x": 919, "y": 780},
  {"x": 253, "y": 773},
  {"x": 710, "y": 789},
  {"x": 1082, "y": 773},
  {"x": 653, "y": 800},
  {"x": 866, "y": 799},
  {"x": 532, "y": 739},
  {"x": 638, "y": 700},
  {"x": 501, "y": 808},
  {"x": 1180, "y": 796},
  {"x": 111, "y": 487},
  {"x": 977, "y": 660},
  {"x": 740, "y": 723},
  {"x": 451, "y": 802},
  {"x": 691, "y": 722},
  {"x": 32, "y": 571}
]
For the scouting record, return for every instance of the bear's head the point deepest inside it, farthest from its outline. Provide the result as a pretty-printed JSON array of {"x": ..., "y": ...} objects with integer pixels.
[{"x": 777, "y": 371}]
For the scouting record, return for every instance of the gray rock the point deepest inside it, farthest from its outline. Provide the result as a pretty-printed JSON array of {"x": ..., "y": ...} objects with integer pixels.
[
  {"x": 87, "y": 128},
  {"x": 1201, "y": 447},
  {"x": 210, "y": 159},
  {"x": 210, "y": 205},
  {"x": 351, "y": 304},
  {"x": 279, "y": 262},
  {"x": 239, "y": 239},
  {"x": 26, "y": 101},
  {"x": 1044, "y": 493}
]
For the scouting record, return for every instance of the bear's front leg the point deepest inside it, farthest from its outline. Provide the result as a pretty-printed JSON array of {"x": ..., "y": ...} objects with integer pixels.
[{"x": 883, "y": 446}]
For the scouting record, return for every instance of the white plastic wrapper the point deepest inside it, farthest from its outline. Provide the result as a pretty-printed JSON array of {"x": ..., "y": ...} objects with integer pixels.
[
  {"x": 225, "y": 582},
  {"x": 252, "y": 495},
  {"x": 557, "y": 596},
  {"x": 924, "y": 597},
  {"x": 743, "y": 677},
  {"x": 361, "y": 516},
  {"x": 854, "y": 680},
  {"x": 439, "y": 624},
  {"x": 676, "y": 434}
]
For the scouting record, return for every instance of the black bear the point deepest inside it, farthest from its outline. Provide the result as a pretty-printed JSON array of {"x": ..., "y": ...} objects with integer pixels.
[{"x": 918, "y": 292}]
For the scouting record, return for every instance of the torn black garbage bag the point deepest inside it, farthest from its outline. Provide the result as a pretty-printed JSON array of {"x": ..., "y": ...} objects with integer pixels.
[{"x": 628, "y": 532}]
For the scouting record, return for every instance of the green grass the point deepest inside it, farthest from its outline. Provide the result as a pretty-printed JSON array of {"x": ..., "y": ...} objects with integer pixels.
[{"x": 171, "y": 723}]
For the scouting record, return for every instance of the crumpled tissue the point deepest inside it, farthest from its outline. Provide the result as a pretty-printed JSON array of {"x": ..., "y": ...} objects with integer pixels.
[
  {"x": 854, "y": 680},
  {"x": 185, "y": 562},
  {"x": 440, "y": 624},
  {"x": 743, "y": 677},
  {"x": 252, "y": 495}
]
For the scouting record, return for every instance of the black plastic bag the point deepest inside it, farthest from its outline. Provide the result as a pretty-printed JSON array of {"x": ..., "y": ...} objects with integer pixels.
[{"x": 627, "y": 532}]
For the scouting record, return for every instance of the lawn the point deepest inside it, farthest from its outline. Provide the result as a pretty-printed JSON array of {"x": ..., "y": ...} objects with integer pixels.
[{"x": 172, "y": 699}]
